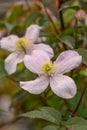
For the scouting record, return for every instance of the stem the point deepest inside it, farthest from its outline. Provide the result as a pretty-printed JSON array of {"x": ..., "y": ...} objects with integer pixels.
[
  {"x": 76, "y": 33},
  {"x": 61, "y": 19},
  {"x": 68, "y": 129},
  {"x": 67, "y": 104},
  {"x": 17, "y": 82},
  {"x": 52, "y": 21},
  {"x": 42, "y": 99},
  {"x": 78, "y": 105},
  {"x": 62, "y": 23}
]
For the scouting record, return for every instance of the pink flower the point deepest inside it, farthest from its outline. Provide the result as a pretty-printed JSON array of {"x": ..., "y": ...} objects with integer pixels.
[
  {"x": 52, "y": 73},
  {"x": 22, "y": 46},
  {"x": 80, "y": 14}
]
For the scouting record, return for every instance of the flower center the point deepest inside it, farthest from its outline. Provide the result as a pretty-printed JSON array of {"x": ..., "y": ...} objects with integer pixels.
[
  {"x": 48, "y": 68},
  {"x": 21, "y": 43}
]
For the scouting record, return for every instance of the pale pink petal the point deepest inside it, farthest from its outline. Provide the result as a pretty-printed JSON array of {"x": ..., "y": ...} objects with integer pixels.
[
  {"x": 67, "y": 61},
  {"x": 63, "y": 86},
  {"x": 32, "y": 32},
  {"x": 34, "y": 61},
  {"x": 11, "y": 62},
  {"x": 45, "y": 48},
  {"x": 36, "y": 86},
  {"x": 41, "y": 39},
  {"x": 8, "y": 43}
]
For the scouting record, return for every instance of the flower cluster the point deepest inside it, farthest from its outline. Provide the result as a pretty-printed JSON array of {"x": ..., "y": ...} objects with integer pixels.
[
  {"x": 37, "y": 58},
  {"x": 22, "y": 46}
]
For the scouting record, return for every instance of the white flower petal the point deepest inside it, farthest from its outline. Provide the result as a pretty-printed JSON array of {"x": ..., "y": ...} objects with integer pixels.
[
  {"x": 32, "y": 32},
  {"x": 63, "y": 86},
  {"x": 41, "y": 39},
  {"x": 67, "y": 61},
  {"x": 36, "y": 60},
  {"x": 36, "y": 86},
  {"x": 8, "y": 43},
  {"x": 45, "y": 48},
  {"x": 11, "y": 62}
]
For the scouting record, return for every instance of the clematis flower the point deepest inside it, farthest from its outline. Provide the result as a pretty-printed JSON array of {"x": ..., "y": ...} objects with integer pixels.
[
  {"x": 52, "y": 73},
  {"x": 22, "y": 46}
]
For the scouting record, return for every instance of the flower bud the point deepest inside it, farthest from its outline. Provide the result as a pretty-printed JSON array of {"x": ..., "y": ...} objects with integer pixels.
[{"x": 80, "y": 14}]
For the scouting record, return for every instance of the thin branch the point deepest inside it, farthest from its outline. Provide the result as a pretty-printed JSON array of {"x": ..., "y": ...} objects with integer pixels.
[
  {"x": 62, "y": 22},
  {"x": 50, "y": 18},
  {"x": 68, "y": 129},
  {"x": 43, "y": 100},
  {"x": 17, "y": 82},
  {"x": 61, "y": 18},
  {"x": 78, "y": 105},
  {"x": 67, "y": 104}
]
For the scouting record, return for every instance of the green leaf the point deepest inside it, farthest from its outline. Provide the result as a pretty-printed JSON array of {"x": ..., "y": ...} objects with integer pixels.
[
  {"x": 68, "y": 31},
  {"x": 31, "y": 18},
  {"x": 83, "y": 53},
  {"x": 15, "y": 13},
  {"x": 68, "y": 15},
  {"x": 51, "y": 127},
  {"x": 77, "y": 123},
  {"x": 2, "y": 71},
  {"x": 9, "y": 26},
  {"x": 2, "y": 24},
  {"x": 46, "y": 113},
  {"x": 68, "y": 40},
  {"x": 78, "y": 127},
  {"x": 54, "y": 127},
  {"x": 84, "y": 7},
  {"x": 83, "y": 72},
  {"x": 65, "y": 114},
  {"x": 75, "y": 7},
  {"x": 52, "y": 112}
]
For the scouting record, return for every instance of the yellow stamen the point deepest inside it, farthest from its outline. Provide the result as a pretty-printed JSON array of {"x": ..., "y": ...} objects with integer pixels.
[
  {"x": 21, "y": 43},
  {"x": 48, "y": 68}
]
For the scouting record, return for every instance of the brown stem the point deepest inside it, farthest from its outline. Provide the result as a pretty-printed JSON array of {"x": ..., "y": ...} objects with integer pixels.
[
  {"x": 17, "y": 82},
  {"x": 50, "y": 18},
  {"x": 42, "y": 99},
  {"x": 61, "y": 18},
  {"x": 62, "y": 23},
  {"x": 67, "y": 104},
  {"x": 78, "y": 105},
  {"x": 68, "y": 129}
]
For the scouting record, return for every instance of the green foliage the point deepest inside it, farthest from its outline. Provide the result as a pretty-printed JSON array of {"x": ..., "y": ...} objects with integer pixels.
[
  {"x": 77, "y": 123},
  {"x": 83, "y": 53},
  {"x": 8, "y": 26},
  {"x": 15, "y": 13},
  {"x": 46, "y": 113},
  {"x": 51, "y": 127},
  {"x": 53, "y": 116},
  {"x": 68, "y": 40},
  {"x": 30, "y": 19},
  {"x": 2, "y": 71}
]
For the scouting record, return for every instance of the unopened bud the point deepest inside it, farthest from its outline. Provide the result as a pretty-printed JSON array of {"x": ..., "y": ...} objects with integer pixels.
[{"x": 80, "y": 14}]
